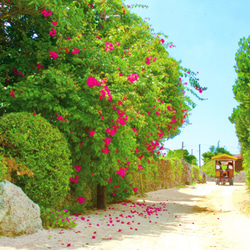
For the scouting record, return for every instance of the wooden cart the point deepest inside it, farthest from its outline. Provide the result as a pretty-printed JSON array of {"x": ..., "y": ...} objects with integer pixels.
[{"x": 224, "y": 168}]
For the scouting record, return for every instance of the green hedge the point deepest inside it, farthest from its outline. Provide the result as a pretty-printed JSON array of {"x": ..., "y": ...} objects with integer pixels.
[{"x": 32, "y": 141}]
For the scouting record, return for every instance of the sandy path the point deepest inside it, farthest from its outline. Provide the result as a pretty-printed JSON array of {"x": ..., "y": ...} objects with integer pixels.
[{"x": 196, "y": 217}]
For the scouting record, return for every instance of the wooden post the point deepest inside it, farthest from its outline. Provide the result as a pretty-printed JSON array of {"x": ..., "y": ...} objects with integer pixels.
[{"x": 101, "y": 197}]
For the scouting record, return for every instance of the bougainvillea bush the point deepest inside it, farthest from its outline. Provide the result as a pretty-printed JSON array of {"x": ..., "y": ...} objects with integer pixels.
[
  {"x": 102, "y": 76},
  {"x": 40, "y": 148}
]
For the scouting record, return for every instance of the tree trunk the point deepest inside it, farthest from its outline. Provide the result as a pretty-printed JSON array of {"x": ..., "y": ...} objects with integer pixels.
[{"x": 101, "y": 197}]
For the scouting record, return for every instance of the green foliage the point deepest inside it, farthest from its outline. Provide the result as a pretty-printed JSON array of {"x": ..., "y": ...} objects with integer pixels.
[
  {"x": 196, "y": 173},
  {"x": 207, "y": 156},
  {"x": 56, "y": 88},
  {"x": 3, "y": 168},
  {"x": 179, "y": 154},
  {"x": 52, "y": 218},
  {"x": 120, "y": 188},
  {"x": 38, "y": 145},
  {"x": 209, "y": 168},
  {"x": 241, "y": 114}
]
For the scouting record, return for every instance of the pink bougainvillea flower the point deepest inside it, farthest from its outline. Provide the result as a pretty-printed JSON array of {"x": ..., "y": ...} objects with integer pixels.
[
  {"x": 91, "y": 82},
  {"x": 119, "y": 102},
  {"x": 106, "y": 150},
  {"x": 173, "y": 120},
  {"x": 161, "y": 41},
  {"x": 68, "y": 38},
  {"x": 39, "y": 66},
  {"x": 75, "y": 51},
  {"x": 107, "y": 141},
  {"x": 134, "y": 129},
  {"x": 157, "y": 113},
  {"x": 92, "y": 133},
  {"x": 77, "y": 167},
  {"x": 74, "y": 180},
  {"x": 34, "y": 113},
  {"x": 121, "y": 171},
  {"x": 134, "y": 189},
  {"x": 98, "y": 37},
  {"x": 12, "y": 93},
  {"x": 54, "y": 23},
  {"x": 81, "y": 199},
  {"x": 140, "y": 168},
  {"x": 133, "y": 77},
  {"x": 140, "y": 157},
  {"x": 120, "y": 74},
  {"x": 46, "y": 13},
  {"x": 68, "y": 245},
  {"x": 53, "y": 55},
  {"x": 52, "y": 32},
  {"x": 109, "y": 47}
]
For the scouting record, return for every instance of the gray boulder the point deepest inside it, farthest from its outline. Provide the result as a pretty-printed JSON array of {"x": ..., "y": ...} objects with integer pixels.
[{"x": 18, "y": 214}]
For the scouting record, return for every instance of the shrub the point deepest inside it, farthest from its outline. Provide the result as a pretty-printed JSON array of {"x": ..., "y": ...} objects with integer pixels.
[
  {"x": 119, "y": 189},
  {"x": 39, "y": 147},
  {"x": 52, "y": 218},
  {"x": 209, "y": 168}
]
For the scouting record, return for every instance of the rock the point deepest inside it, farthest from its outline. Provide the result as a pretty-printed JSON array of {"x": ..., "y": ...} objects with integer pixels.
[
  {"x": 18, "y": 214},
  {"x": 204, "y": 177},
  {"x": 187, "y": 173},
  {"x": 241, "y": 177}
]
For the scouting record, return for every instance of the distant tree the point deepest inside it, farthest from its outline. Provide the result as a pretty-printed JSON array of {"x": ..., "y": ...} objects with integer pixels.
[
  {"x": 207, "y": 156},
  {"x": 179, "y": 154}
]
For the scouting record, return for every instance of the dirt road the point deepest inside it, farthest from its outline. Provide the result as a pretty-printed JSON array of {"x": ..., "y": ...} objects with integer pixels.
[{"x": 204, "y": 216}]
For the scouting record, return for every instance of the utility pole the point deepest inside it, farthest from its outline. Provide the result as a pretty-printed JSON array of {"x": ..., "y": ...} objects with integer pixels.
[
  {"x": 199, "y": 155},
  {"x": 191, "y": 151}
]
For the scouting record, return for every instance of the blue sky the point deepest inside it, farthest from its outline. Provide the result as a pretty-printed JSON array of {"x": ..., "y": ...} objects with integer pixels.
[{"x": 206, "y": 34}]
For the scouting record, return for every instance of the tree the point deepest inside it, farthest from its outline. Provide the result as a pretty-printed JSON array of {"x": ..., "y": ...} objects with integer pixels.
[
  {"x": 98, "y": 73},
  {"x": 241, "y": 114},
  {"x": 182, "y": 154},
  {"x": 213, "y": 151}
]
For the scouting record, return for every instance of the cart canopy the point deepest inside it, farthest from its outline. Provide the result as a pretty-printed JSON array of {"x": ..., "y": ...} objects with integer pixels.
[{"x": 224, "y": 157}]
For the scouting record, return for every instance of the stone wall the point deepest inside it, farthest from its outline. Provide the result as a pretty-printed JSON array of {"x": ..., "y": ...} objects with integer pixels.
[{"x": 171, "y": 173}]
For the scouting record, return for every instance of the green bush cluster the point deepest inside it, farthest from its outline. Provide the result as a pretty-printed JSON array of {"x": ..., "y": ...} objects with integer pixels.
[
  {"x": 209, "y": 168},
  {"x": 38, "y": 145},
  {"x": 53, "y": 218},
  {"x": 116, "y": 189}
]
